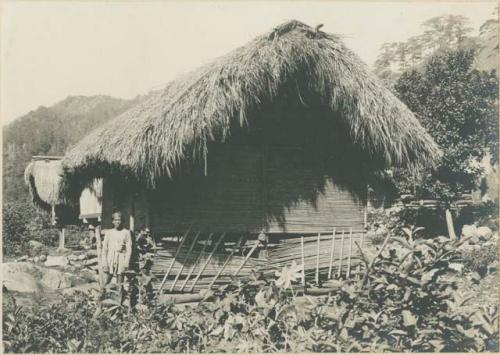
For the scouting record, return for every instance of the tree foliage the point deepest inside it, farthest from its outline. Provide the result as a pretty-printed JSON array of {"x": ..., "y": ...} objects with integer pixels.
[
  {"x": 49, "y": 131},
  {"x": 21, "y": 223},
  {"x": 458, "y": 106},
  {"x": 440, "y": 34}
]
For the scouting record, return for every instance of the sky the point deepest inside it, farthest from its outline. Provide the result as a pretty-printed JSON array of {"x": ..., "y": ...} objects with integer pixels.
[{"x": 50, "y": 50}]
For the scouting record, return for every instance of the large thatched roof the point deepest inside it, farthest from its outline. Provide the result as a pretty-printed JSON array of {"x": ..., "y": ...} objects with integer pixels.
[
  {"x": 43, "y": 177},
  {"x": 174, "y": 124}
]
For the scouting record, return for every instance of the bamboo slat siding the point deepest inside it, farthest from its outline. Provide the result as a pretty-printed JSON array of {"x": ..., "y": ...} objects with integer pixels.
[
  {"x": 250, "y": 188},
  {"x": 190, "y": 270}
]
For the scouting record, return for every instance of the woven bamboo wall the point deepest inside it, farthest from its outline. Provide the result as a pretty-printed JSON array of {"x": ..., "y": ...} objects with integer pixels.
[{"x": 248, "y": 189}]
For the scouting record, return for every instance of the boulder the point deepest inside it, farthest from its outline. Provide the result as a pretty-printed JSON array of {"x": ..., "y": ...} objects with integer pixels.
[
  {"x": 469, "y": 231},
  {"x": 43, "y": 258},
  {"x": 56, "y": 261},
  {"x": 90, "y": 262},
  {"x": 35, "y": 244},
  {"x": 85, "y": 288},
  {"x": 19, "y": 277},
  {"x": 56, "y": 279},
  {"x": 89, "y": 275},
  {"x": 23, "y": 266},
  {"x": 484, "y": 232}
]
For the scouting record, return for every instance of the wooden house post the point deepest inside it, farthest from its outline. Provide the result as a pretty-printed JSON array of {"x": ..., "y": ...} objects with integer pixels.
[
  {"x": 131, "y": 221},
  {"x": 62, "y": 237}
]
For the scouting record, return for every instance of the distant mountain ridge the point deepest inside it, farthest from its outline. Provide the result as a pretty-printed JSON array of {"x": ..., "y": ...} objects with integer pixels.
[{"x": 50, "y": 131}]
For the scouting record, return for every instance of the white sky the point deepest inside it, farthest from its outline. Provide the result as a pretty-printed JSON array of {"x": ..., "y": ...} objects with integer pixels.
[{"x": 54, "y": 49}]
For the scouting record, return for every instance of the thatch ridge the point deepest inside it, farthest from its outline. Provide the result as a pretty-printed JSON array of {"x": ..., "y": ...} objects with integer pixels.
[
  {"x": 43, "y": 178},
  {"x": 150, "y": 140}
]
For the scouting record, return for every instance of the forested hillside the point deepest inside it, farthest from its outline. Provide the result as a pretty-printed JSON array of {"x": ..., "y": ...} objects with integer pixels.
[
  {"x": 49, "y": 131},
  {"x": 439, "y": 35}
]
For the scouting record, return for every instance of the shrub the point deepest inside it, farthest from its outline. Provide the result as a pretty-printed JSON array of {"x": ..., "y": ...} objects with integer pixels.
[
  {"x": 22, "y": 222},
  {"x": 405, "y": 301},
  {"x": 478, "y": 260}
]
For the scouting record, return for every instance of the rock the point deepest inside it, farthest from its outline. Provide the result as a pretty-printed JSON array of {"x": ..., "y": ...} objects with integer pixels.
[
  {"x": 72, "y": 257},
  {"x": 21, "y": 267},
  {"x": 469, "y": 230},
  {"x": 85, "y": 288},
  {"x": 19, "y": 277},
  {"x": 82, "y": 257},
  {"x": 90, "y": 262},
  {"x": 484, "y": 232},
  {"x": 43, "y": 258},
  {"x": 22, "y": 258},
  {"x": 36, "y": 259},
  {"x": 35, "y": 244},
  {"x": 71, "y": 268},
  {"x": 91, "y": 253},
  {"x": 56, "y": 261},
  {"x": 89, "y": 275},
  {"x": 56, "y": 279}
]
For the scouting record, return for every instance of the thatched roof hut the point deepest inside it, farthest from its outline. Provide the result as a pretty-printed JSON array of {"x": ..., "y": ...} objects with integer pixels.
[
  {"x": 291, "y": 63},
  {"x": 277, "y": 137},
  {"x": 43, "y": 178}
]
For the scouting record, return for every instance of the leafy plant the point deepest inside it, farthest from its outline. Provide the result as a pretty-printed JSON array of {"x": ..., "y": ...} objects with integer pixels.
[{"x": 407, "y": 300}]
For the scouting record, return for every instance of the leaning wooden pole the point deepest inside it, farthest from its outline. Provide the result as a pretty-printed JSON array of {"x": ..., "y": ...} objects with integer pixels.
[
  {"x": 184, "y": 237},
  {"x": 196, "y": 261},
  {"x": 246, "y": 259},
  {"x": 183, "y": 262},
  {"x": 208, "y": 260},
  {"x": 225, "y": 264}
]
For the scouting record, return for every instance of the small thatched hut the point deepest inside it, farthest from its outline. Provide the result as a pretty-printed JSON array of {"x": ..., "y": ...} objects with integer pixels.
[
  {"x": 280, "y": 135},
  {"x": 43, "y": 178}
]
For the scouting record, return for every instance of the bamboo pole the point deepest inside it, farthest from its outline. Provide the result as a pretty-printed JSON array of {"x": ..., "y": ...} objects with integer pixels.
[
  {"x": 341, "y": 254},
  {"x": 303, "y": 262},
  {"x": 196, "y": 261},
  {"x": 225, "y": 264},
  {"x": 184, "y": 237},
  {"x": 246, "y": 259},
  {"x": 350, "y": 254},
  {"x": 332, "y": 253},
  {"x": 207, "y": 261},
  {"x": 97, "y": 232},
  {"x": 183, "y": 262},
  {"x": 317, "y": 259},
  {"x": 362, "y": 239}
]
